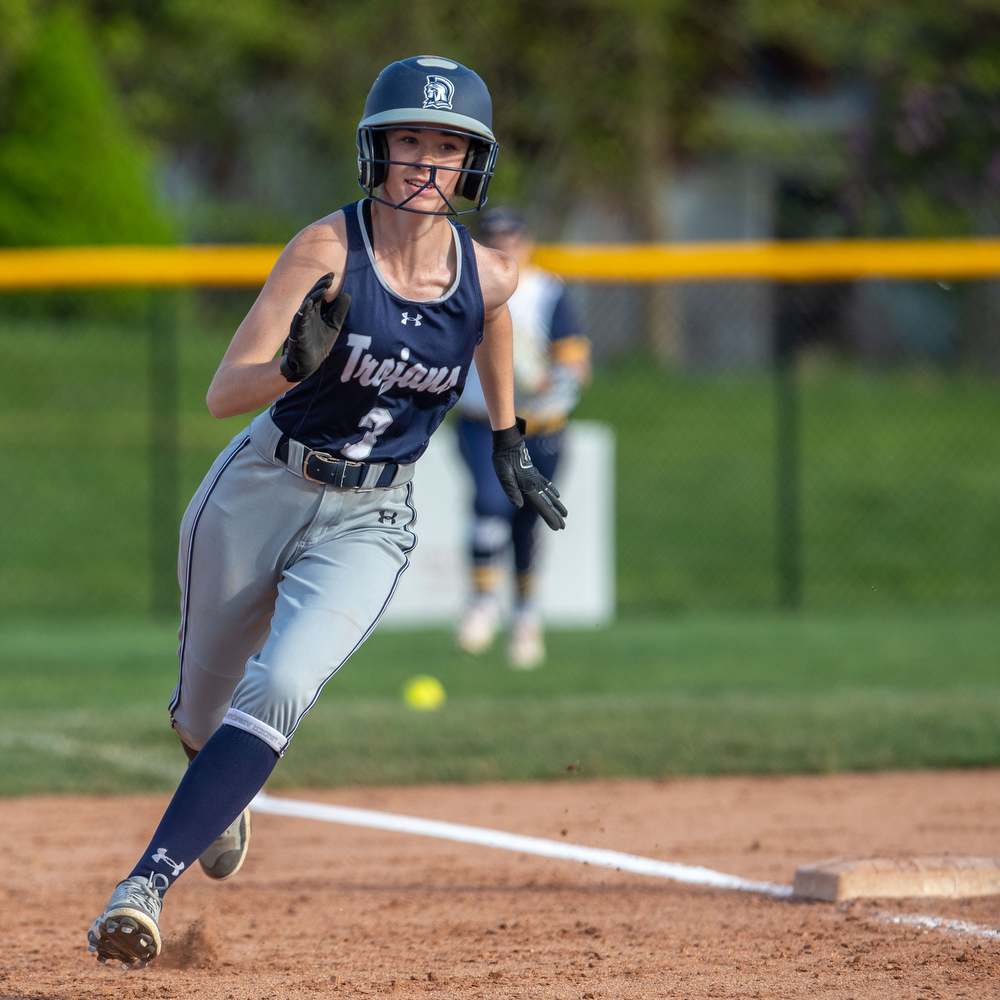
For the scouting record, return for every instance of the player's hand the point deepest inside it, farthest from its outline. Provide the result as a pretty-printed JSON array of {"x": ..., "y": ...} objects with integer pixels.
[
  {"x": 521, "y": 480},
  {"x": 314, "y": 330}
]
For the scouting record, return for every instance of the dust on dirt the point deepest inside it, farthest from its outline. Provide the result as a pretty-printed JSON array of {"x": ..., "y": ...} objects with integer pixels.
[
  {"x": 197, "y": 947},
  {"x": 326, "y": 910}
]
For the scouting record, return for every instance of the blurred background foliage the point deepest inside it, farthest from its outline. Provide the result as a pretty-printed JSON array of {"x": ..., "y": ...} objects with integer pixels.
[
  {"x": 197, "y": 120},
  {"x": 879, "y": 118},
  {"x": 200, "y": 120}
]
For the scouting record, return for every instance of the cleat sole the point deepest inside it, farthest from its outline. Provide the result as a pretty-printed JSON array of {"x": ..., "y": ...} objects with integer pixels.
[{"x": 138, "y": 944}]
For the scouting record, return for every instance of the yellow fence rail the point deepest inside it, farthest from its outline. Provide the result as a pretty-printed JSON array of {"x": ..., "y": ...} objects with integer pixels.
[
  {"x": 248, "y": 266},
  {"x": 142, "y": 266},
  {"x": 807, "y": 260}
]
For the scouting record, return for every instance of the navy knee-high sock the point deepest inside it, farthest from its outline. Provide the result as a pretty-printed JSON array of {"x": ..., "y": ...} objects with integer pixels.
[{"x": 219, "y": 783}]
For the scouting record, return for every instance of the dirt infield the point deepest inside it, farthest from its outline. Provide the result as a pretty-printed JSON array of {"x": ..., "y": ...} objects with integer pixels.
[{"x": 325, "y": 910}]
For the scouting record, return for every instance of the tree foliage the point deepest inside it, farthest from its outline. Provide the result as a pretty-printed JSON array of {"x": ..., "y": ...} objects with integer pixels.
[
  {"x": 255, "y": 103},
  {"x": 926, "y": 160},
  {"x": 71, "y": 171},
  {"x": 580, "y": 87}
]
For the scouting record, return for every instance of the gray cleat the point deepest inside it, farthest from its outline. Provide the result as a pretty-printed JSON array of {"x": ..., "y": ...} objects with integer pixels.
[
  {"x": 128, "y": 930},
  {"x": 224, "y": 857}
]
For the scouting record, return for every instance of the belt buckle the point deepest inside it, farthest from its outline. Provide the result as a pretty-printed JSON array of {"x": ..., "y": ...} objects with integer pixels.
[{"x": 323, "y": 456}]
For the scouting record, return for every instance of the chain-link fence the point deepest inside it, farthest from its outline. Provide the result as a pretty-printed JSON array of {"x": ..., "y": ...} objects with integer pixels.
[
  {"x": 817, "y": 445},
  {"x": 105, "y": 434},
  {"x": 825, "y": 445}
]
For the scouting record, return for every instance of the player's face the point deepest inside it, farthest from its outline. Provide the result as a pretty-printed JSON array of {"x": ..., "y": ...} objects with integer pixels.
[{"x": 416, "y": 151}]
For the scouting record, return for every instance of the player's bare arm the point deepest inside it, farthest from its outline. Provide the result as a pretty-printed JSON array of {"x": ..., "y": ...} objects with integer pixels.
[
  {"x": 249, "y": 376},
  {"x": 495, "y": 355}
]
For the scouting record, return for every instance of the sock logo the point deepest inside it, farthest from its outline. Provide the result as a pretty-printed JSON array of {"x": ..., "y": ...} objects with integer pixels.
[{"x": 161, "y": 855}]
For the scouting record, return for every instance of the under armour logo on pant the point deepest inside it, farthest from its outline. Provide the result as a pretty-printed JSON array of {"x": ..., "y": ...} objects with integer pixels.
[
  {"x": 161, "y": 855},
  {"x": 386, "y": 516},
  {"x": 415, "y": 320}
]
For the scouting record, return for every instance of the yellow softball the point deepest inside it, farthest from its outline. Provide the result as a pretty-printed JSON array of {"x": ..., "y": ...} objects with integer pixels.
[{"x": 424, "y": 693}]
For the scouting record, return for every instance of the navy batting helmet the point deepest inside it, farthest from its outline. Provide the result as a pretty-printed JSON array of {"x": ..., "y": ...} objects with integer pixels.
[
  {"x": 429, "y": 90},
  {"x": 503, "y": 222}
]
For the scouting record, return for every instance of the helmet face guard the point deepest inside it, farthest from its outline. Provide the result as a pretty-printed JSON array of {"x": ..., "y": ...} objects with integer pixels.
[
  {"x": 473, "y": 176},
  {"x": 429, "y": 92}
]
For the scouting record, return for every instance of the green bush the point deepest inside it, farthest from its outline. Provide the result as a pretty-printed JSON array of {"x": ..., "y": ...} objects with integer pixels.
[{"x": 71, "y": 169}]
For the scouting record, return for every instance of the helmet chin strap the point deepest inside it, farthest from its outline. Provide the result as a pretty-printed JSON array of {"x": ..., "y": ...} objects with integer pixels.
[
  {"x": 472, "y": 176},
  {"x": 430, "y": 184}
]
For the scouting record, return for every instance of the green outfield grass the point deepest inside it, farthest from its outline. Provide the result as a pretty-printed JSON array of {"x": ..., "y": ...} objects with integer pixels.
[
  {"x": 892, "y": 665},
  {"x": 82, "y": 705},
  {"x": 900, "y": 481}
]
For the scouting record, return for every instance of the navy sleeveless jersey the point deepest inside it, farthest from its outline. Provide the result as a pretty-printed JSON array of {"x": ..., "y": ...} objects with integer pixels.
[{"x": 398, "y": 365}]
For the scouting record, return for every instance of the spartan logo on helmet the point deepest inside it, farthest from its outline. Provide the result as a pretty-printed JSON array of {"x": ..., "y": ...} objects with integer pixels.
[{"x": 438, "y": 92}]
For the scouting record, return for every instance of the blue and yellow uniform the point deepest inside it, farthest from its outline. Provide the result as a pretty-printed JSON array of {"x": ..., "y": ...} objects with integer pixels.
[{"x": 550, "y": 356}]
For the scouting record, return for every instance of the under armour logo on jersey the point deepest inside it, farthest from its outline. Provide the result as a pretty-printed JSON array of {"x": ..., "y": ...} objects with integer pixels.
[
  {"x": 386, "y": 517},
  {"x": 161, "y": 855},
  {"x": 415, "y": 320},
  {"x": 438, "y": 92}
]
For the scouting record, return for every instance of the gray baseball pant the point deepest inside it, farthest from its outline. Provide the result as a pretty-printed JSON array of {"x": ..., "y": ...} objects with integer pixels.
[{"x": 282, "y": 579}]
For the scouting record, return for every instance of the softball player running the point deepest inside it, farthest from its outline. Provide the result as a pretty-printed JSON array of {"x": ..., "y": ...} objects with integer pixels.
[
  {"x": 551, "y": 364},
  {"x": 294, "y": 542}
]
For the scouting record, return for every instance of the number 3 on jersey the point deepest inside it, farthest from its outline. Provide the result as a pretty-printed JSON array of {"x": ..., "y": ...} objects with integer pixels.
[{"x": 378, "y": 420}]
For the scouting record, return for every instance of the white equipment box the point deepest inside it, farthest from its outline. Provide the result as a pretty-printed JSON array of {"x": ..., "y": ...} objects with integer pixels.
[{"x": 577, "y": 565}]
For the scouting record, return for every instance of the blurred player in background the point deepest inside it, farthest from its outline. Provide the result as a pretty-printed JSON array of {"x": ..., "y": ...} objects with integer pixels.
[{"x": 551, "y": 365}]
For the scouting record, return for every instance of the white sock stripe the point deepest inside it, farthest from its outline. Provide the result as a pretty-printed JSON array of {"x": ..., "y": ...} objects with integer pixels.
[{"x": 272, "y": 737}]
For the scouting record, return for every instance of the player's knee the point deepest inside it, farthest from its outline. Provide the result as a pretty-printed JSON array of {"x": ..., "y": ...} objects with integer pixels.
[
  {"x": 193, "y": 733},
  {"x": 278, "y": 696},
  {"x": 490, "y": 534}
]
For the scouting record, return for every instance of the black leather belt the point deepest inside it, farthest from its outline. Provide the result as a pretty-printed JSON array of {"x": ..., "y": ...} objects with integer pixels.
[{"x": 321, "y": 467}]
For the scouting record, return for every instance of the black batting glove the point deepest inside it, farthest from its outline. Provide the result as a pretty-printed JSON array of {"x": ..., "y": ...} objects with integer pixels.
[
  {"x": 521, "y": 480},
  {"x": 315, "y": 328}
]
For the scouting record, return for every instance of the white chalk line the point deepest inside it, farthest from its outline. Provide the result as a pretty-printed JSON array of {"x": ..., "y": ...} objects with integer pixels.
[
  {"x": 484, "y": 837},
  {"x": 346, "y": 815},
  {"x": 940, "y": 924}
]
